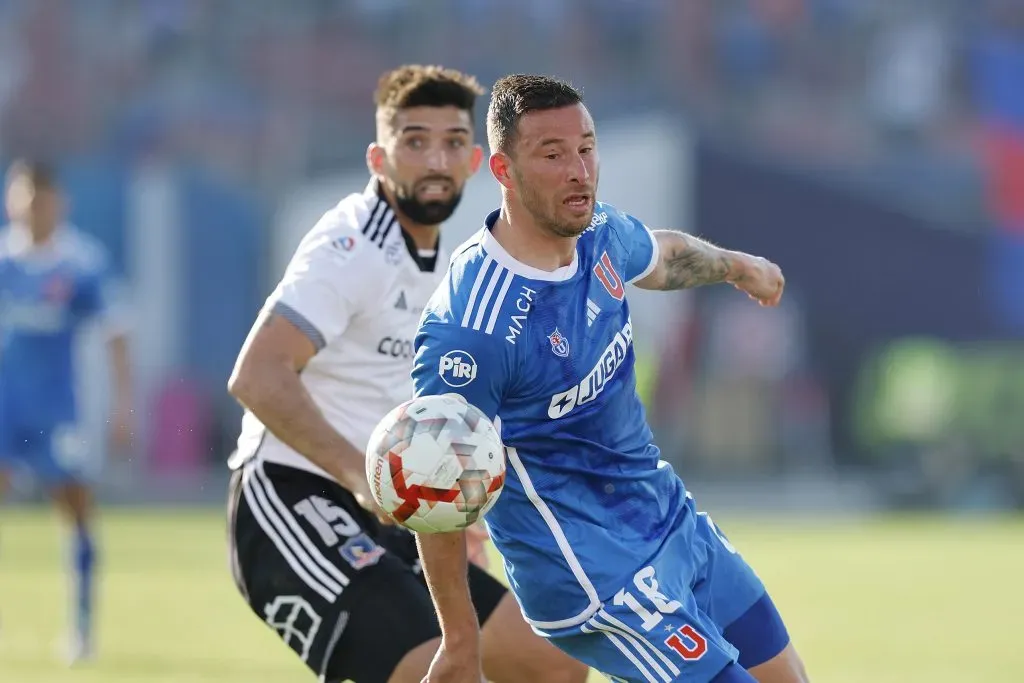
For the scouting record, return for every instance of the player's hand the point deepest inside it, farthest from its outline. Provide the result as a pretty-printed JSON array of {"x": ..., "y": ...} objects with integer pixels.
[
  {"x": 761, "y": 279},
  {"x": 476, "y": 545},
  {"x": 458, "y": 664},
  {"x": 120, "y": 429}
]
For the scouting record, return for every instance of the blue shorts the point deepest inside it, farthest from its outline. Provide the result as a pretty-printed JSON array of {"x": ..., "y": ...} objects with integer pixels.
[
  {"x": 685, "y": 615},
  {"x": 54, "y": 455}
]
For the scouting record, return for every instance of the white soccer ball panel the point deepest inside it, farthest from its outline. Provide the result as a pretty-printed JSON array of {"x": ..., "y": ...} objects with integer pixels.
[{"x": 435, "y": 464}]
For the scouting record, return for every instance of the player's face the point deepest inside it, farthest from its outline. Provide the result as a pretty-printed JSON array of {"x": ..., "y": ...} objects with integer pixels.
[
  {"x": 555, "y": 167},
  {"x": 427, "y": 161},
  {"x": 36, "y": 206}
]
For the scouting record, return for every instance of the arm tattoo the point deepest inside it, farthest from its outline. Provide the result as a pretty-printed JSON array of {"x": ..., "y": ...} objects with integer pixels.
[{"x": 692, "y": 262}]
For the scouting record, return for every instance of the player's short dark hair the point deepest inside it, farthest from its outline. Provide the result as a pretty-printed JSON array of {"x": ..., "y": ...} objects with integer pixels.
[
  {"x": 514, "y": 96},
  {"x": 418, "y": 85},
  {"x": 40, "y": 173}
]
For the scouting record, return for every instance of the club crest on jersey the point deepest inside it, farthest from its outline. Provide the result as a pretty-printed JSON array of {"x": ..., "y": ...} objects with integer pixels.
[
  {"x": 559, "y": 344},
  {"x": 345, "y": 243},
  {"x": 605, "y": 272},
  {"x": 57, "y": 289},
  {"x": 360, "y": 551}
]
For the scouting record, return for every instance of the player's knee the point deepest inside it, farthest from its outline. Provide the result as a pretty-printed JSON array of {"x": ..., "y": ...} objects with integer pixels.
[{"x": 75, "y": 500}]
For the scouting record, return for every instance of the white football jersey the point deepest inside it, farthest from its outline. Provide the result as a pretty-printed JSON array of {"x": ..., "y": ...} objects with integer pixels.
[{"x": 356, "y": 287}]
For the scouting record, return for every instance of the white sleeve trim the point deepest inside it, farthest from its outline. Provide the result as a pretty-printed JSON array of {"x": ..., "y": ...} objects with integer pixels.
[{"x": 655, "y": 256}]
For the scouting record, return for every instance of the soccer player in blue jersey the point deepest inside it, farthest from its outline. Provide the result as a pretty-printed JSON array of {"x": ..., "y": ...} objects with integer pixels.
[
  {"x": 601, "y": 541},
  {"x": 52, "y": 281}
]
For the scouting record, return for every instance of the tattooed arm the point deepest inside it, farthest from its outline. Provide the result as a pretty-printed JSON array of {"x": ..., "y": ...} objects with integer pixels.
[{"x": 686, "y": 261}]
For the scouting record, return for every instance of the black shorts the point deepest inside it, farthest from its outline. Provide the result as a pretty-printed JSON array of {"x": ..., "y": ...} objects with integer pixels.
[{"x": 343, "y": 591}]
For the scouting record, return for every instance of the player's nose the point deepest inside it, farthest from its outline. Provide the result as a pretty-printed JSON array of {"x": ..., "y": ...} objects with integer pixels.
[
  {"x": 579, "y": 172},
  {"x": 437, "y": 160}
]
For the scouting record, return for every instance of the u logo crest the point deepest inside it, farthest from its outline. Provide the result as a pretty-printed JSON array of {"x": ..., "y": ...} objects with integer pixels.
[{"x": 608, "y": 277}]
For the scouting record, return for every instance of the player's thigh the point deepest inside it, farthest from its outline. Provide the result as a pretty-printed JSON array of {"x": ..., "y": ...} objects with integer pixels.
[
  {"x": 9, "y": 459},
  {"x": 513, "y": 652},
  {"x": 732, "y": 594},
  {"x": 651, "y": 631},
  {"x": 59, "y": 457},
  {"x": 785, "y": 667},
  {"x": 74, "y": 499},
  {"x": 307, "y": 562}
]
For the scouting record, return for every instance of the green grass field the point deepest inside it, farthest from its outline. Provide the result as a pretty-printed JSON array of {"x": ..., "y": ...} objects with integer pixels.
[{"x": 894, "y": 601}]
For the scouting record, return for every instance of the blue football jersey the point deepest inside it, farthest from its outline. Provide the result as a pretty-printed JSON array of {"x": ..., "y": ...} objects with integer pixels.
[
  {"x": 549, "y": 356},
  {"x": 46, "y": 293}
]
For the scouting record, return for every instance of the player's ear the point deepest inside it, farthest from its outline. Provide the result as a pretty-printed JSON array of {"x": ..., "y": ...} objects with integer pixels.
[
  {"x": 375, "y": 157},
  {"x": 476, "y": 159},
  {"x": 500, "y": 164}
]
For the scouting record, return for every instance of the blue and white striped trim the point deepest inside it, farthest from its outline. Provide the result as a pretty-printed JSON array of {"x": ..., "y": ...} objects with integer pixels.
[
  {"x": 653, "y": 664},
  {"x": 487, "y": 296},
  {"x": 301, "y": 322}
]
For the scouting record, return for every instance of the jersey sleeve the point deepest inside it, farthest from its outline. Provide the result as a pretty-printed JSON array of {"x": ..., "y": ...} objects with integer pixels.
[
  {"x": 451, "y": 359},
  {"x": 91, "y": 295},
  {"x": 322, "y": 287},
  {"x": 641, "y": 248},
  {"x": 99, "y": 299}
]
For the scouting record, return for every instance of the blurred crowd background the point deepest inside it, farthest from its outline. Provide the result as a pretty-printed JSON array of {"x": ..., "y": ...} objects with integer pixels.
[{"x": 873, "y": 148}]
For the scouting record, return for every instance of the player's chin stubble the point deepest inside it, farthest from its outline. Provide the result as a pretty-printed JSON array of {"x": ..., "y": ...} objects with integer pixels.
[
  {"x": 428, "y": 213},
  {"x": 561, "y": 228},
  {"x": 549, "y": 220}
]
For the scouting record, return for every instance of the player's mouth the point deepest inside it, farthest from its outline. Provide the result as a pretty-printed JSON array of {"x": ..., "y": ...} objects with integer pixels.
[
  {"x": 579, "y": 203},
  {"x": 439, "y": 189}
]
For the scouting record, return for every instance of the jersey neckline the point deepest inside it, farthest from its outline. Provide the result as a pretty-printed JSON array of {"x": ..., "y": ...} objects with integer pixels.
[
  {"x": 16, "y": 241},
  {"x": 426, "y": 264},
  {"x": 493, "y": 248}
]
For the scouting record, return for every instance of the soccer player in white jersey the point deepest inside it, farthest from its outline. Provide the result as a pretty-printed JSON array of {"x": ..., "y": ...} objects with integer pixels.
[
  {"x": 609, "y": 557},
  {"x": 327, "y": 358}
]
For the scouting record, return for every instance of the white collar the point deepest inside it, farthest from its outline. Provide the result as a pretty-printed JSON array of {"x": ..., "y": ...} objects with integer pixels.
[
  {"x": 19, "y": 241},
  {"x": 499, "y": 254}
]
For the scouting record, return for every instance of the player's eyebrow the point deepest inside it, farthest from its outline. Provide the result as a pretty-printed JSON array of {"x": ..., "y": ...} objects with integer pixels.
[
  {"x": 419, "y": 128},
  {"x": 589, "y": 135}
]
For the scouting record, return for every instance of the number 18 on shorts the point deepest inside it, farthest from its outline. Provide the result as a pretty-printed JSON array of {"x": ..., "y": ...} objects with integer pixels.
[{"x": 649, "y": 634}]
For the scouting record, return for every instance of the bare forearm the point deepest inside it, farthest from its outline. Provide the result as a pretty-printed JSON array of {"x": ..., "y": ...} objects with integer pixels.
[
  {"x": 120, "y": 369},
  {"x": 276, "y": 396},
  {"x": 445, "y": 567},
  {"x": 688, "y": 261}
]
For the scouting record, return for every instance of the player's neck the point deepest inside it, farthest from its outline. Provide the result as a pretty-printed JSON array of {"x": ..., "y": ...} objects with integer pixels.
[
  {"x": 525, "y": 241},
  {"x": 38, "y": 236},
  {"x": 423, "y": 236}
]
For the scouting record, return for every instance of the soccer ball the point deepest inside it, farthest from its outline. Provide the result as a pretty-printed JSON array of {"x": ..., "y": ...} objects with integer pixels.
[{"x": 435, "y": 464}]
